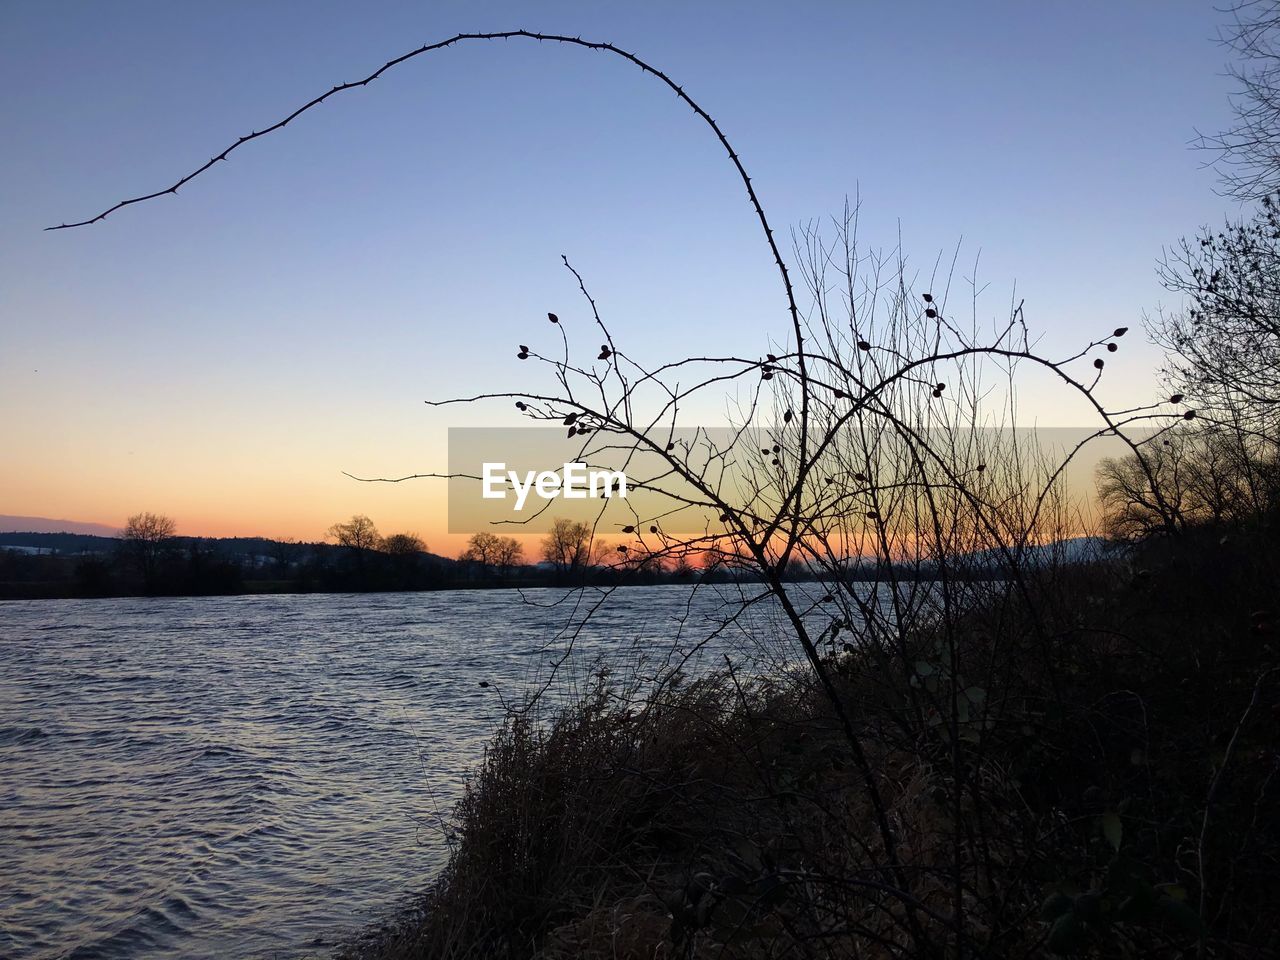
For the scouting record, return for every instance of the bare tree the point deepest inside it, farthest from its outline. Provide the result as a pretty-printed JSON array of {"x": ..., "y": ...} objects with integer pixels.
[
  {"x": 403, "y": 545},
  {"x": 1202, "y": 476},
  {"x": 145, "y": 539},
  {"x": 493, "y": 553},
  {"x": 567, "y": 547},
  {"x": 1248, "y": 152},
  {"x": 509, "y": 554},
  {"x": 1224, "y": 347},
  {"x": 482, "y": 549},
  {"x": 358, "y": 534}
]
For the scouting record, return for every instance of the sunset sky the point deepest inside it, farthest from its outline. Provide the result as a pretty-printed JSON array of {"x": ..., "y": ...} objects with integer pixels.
[{"x": 223, "y": 356}]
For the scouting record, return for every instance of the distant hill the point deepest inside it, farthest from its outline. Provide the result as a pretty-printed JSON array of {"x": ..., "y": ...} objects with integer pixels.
[
  {"x": 255, "y": 549},
  {"x": 28, "y": 542},
  {"x": 9, "y": 524}
]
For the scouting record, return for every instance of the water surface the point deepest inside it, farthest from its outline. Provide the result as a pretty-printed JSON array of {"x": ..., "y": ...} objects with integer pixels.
[{"x": 259, "y": 776}]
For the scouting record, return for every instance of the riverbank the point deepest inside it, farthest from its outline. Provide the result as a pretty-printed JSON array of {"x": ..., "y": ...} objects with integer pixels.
[{"x": 1086, "y": 765}]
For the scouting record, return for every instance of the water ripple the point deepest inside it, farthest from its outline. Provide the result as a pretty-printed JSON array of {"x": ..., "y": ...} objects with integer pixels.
[{"x": 250, "y": 776}]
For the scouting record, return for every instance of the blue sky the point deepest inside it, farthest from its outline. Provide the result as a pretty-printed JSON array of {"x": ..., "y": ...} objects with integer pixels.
[{"x": 225, "y": 354}]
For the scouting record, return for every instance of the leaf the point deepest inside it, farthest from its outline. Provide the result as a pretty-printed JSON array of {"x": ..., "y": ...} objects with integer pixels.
[
  {"x": 1112, "y": 828},
  {"x": 976, "y": 695},
  {"x": 924, "y": 668}
]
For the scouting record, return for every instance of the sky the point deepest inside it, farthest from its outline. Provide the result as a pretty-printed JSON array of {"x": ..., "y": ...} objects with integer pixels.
[{"x": 225, "y": 355}]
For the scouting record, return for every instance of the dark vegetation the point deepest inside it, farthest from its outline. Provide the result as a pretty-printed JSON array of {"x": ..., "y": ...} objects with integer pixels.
[
  {"x": 72, "y": 565},
  {"x": 40, "y": 565},
  {"x": 1070, "y": 759},
  {"x": 1115, "y": 794}
]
